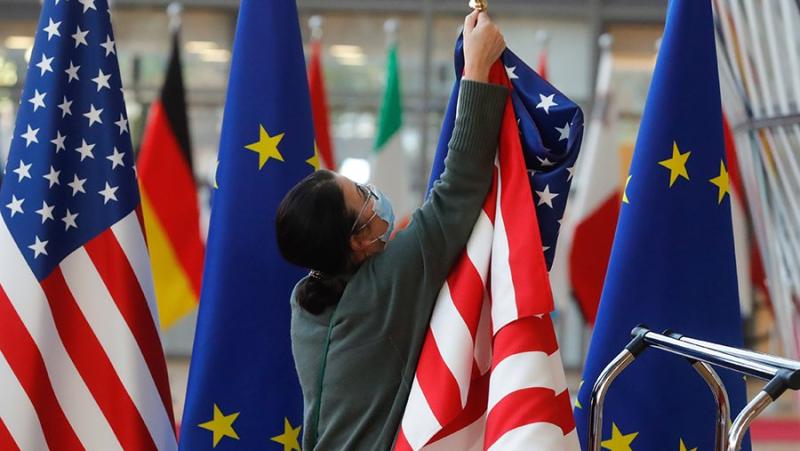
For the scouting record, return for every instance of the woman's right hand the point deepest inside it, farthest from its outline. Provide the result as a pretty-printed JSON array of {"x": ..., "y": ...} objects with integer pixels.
[{"x": 483, "y": 45}]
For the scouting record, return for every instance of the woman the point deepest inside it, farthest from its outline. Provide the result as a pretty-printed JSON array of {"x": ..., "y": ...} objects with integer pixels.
[{"x": 360, "y": 317}]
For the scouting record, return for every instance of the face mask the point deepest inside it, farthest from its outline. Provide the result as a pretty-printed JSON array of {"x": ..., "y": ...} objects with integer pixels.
[{"x": 383, "y": 210}]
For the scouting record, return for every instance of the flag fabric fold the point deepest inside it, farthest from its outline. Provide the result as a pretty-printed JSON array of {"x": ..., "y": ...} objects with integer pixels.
[
  {"x": 169, "y": 198},
  {"x": 672, "y": 263},
  {"x": 501, "y": 384},
  {"x": 243, "y": 390},
  {"x": 81, "y": 363}
]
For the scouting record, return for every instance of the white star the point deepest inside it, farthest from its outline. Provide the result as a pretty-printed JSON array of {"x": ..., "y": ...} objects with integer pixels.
[
  {"x": 564, "y": 132},
  {"x": 510, "y": 72},
  {"x": 85, "y": 150},
  {"x": 30, "y": 136},
  {"x": 72, "y": 71},
  {"x": 46, "y": 212},
  {"x": 65, "y": 107},
  {"x": 80, "y": 37},
  {"x": 102, "y": 80},
  {"x": 15, "y": 206},
  {"x": 545, "y": 248},
  {"x": 38, "y": 247},
  {"x": 571, "y": 171},
  {"x": 52, "y": 29},
  {"x": 122, "y": 123},
  {"x": 546, "y": 102},
  {"x": 38, "y": 100},
  {"x": 545, "y": 162},
  {"x": 109, "y": 46},
  {"x": 23, "y": 171},
  {"x": 109, "y": 193},
  {"x": 87, "y": 5},
  {"x": 116, "y": 159},
  {"x": 77, "y": 185},
  {"x": 69, "y": 220},
  {"x": 44, "y": 64},
  {"x": 93, "y": 115},
  {"x": 52, "y": 177},
  {"x": 546, "y": 197},
  {"x": 59, "y": 142}
]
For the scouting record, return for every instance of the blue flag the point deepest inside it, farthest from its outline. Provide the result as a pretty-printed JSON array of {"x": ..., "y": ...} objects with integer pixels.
[
  {"x": 672, "y": 263},
  {"x": 243, "y": 391},
  {"x": 551, "y": 130}
]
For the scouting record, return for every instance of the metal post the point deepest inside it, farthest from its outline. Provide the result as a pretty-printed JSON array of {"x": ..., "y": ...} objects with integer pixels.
[
  {"x": 420, "y": 177},
  {"x": 599, "y": 391},
  {"x": 742, "y": 423},
  {"x": 723, "y": 404}
]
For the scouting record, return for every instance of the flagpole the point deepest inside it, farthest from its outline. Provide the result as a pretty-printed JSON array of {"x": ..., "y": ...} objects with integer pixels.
[
  {"x": 480, "y": 5},
  {"x": 174, "y": 10}
]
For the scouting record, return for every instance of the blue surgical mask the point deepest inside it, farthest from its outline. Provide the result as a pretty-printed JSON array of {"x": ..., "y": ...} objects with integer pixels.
[{"x": 384, "y": 210}]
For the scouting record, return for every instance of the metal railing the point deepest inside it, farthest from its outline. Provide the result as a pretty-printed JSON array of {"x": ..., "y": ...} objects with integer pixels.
[{"x": 781, "y": 375}]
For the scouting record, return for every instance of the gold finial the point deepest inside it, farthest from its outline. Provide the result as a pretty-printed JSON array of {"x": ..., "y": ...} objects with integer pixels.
[{"x": 480, "y": 5}]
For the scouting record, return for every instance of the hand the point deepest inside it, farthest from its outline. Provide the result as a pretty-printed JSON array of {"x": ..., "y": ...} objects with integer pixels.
[{"x": 483, "y": 45}]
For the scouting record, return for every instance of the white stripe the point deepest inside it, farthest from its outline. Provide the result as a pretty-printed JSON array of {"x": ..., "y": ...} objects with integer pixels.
[
  {"x": 469, "y": 438},
  {"x": 454, "y": 340},
  {"x": 419, "y": 423},
  {"x": 571, "y": 441},
  {"x": 29, "y": 301},
  {"x": 119, "y": 344},
  {"x": 128, "y": 232},
  {"x": 479, "y": 246},
  {"x": 504, "y": 299},
  {"x": 526, "y": 370},
  {"x": 17, "y": 412},
  {"x": 532, "y": 437}
]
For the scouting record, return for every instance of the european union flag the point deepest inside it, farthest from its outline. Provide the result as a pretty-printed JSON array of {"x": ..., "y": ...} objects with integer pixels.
[
  {"x": 551, "y": 131},
  {"x": 243, "y": 391},
  {"x": 672, "y": 264}
]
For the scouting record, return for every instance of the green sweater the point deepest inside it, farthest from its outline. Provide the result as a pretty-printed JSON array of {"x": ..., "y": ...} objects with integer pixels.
[{"x": 382, "y": 318}]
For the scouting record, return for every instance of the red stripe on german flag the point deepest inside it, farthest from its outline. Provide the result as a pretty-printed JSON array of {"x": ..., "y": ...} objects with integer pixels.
[{"x": 169, "y": 201}]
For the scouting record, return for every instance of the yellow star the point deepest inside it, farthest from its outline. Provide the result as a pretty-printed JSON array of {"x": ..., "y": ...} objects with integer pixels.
[
  {"x": 676, "y": 164},
  {"x": 221, "y": 425},
  {"x": 625, "y": 191},
  {"x": 618, "y": 440},
  {"x": 684, "y": 448},
  {"x": 289, "y": 437},
  {"x": 578, "y": 397},
  {"x": 266, "y": 147},
  {"x": 722, "y": 182},
  {"x": 314, "y": 160}
]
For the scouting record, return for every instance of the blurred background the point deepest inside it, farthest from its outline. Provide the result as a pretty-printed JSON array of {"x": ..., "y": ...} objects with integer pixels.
[{"x": 561, "y": 35}]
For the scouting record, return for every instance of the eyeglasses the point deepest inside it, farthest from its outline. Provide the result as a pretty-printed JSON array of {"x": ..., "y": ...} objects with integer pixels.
[{"x": 367, "y": 192}]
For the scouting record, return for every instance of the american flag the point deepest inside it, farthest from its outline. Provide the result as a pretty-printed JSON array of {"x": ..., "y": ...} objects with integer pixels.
[
  {"x": 490, "y": 375},
  {"x": 82, "y": 365}
]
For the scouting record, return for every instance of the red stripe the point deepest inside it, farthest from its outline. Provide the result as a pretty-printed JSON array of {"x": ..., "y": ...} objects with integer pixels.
[
  {"x": 475, "y": 408},
  {"x": 94, "y": 366},
  {"x": 6, "y": 440},
  {"x": 466, "y": 290},
  {"x": 589, "y": 255},
  {"x": 168, "y": 182},
  {"x": 437, "y": 382},
  {"x": 319, "y": 105},
  {"x": 490, "y": 204},
  {"x": 528, "y": 406},
  {"x": 114, "y": 268},
  {"x": 25, "y": 359},
  {"x": 401, "y": 442},
  {"x": 527, "y": 334}
]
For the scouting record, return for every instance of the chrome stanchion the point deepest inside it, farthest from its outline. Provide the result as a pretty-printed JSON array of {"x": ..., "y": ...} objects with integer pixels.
[{"x": 723, "y": 404}]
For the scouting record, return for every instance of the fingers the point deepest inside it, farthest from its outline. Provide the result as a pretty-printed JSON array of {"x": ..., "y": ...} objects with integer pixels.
[
  {"x": 470, "y": 21},
  {"x": 483, "y": 17}
]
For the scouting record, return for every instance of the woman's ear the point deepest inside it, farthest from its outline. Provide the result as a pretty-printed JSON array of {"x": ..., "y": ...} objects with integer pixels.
[{"x": 358, "y": 244}]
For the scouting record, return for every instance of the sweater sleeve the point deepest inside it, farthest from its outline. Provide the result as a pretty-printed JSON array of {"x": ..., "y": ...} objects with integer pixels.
[{"x": 416, "y": 263}]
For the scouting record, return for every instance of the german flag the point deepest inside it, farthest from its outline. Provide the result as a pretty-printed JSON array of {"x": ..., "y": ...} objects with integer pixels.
[{"x": 169, "y": 199}]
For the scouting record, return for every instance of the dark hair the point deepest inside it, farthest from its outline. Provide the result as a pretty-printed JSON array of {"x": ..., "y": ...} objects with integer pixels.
[{"x": 313, "y": 230}]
